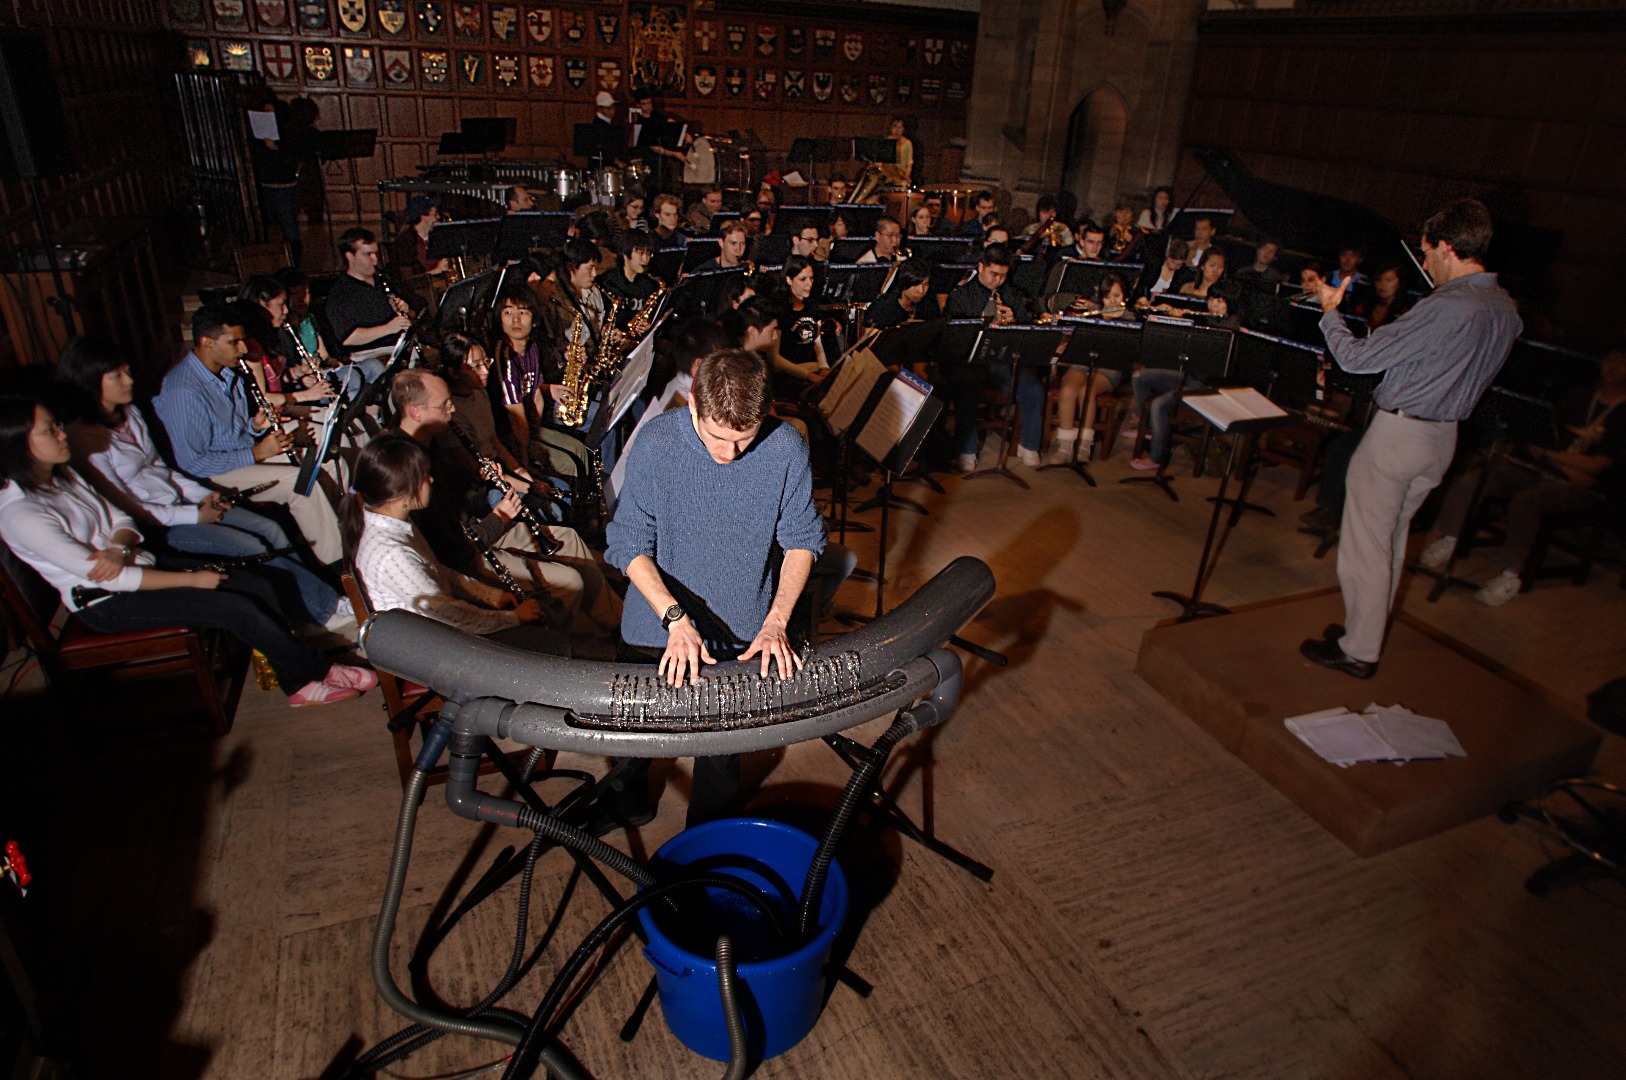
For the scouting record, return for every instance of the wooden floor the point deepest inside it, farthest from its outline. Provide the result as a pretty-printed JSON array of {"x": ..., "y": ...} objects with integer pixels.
[{"x": 1158, "y": 910}]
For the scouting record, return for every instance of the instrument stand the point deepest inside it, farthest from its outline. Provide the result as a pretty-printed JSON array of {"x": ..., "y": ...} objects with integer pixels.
[
  {"x": 1193, "y": 606},
  {"x": 1161, "y": 479},
  {"x": 917, "y": 473}
]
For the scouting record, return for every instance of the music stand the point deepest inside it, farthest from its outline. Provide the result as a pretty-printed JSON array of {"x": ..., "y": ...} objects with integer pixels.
[
  {"x": 703, "y": 289},
  {"x": 1082, "y": 277},
  {"x": 947, "y": 277},
  {"x": 1245, "y": 430},
  {"x": 848, "y": 249},
  {"x": 1098, "y": 345},
  {"x": 810, "y": 151},
  {"x": 527, "y": 232},
  {"x": 900, "y": 346},
  {"x": 471, "y": 294},
  {"x": 1188, "y": 349},
  {"x": 1288, "y": 373},
  {"x": 1017, "y": 347},
  {"x": 854, "y": 283},
  {"x": 700, "y": 250},
  {"x": 843, "y": 399},
  {"x": 345, "y": 145},
  {"x": 861, "y": 218},
  {"x": 793, "y": 219},
  {"x": 489, "y": 134},
  {"x": 770, "y": 251},
  {"x": 667, "y": 264},
  {"x": 938, "y": 250},
  {"x": 461, "y": 239},
  {"x": 1519, "y": 419},
  {"x": 602, "y": 143}
]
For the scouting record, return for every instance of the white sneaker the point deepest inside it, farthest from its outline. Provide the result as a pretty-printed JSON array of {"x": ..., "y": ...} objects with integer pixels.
[
  {"x": 965, "y": 463},
  {"x": 343, "y": 617},
  {"x": 1500, "y": 589},
  {"x": 1030, "y": 458},
  {"x": 1438, "y": 553},
  {"x": 1061, "y": 453}
]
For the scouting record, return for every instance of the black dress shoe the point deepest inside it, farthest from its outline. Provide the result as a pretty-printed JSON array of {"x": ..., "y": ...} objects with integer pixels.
[
  {"x": 1329, "y": 654},
  {"x": 1333, "y": 632},
  {"x": 1319, "y": 518}
]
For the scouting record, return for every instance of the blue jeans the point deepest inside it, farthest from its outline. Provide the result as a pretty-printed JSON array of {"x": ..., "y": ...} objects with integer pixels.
[
  {"x": 242, "y": 532},
  {"x": 1156, "y": 385},
  {"x": 1029, "y": 405}
]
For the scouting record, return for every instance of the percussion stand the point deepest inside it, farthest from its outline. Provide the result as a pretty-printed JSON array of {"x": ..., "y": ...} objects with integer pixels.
[{"x": 1193, "y": 606}]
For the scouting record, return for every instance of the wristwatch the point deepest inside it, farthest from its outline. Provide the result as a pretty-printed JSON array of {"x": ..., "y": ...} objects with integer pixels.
[
  {"x": 128, "y": 553},
  {"x": 670, "y": 616}
]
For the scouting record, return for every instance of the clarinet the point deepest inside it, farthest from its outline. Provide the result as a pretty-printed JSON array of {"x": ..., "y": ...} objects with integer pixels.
[
  {"x": 507, "y": 579},
  {"x": 491, "y": 472},
  {"x": 257, "y": 396}
]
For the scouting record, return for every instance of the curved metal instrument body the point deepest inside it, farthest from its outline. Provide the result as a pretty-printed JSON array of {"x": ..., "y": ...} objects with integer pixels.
[
  {"x": 641, "y": 319},
  {"x": 573, "y": 409},
  {"x": 624, "y": 710}
]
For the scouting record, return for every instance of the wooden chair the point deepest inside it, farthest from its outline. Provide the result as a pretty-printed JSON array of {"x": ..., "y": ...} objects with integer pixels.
[
  {"x": 217, "y": 661},
  {"x": 413, "y": 707},
  {"x": 1108, "y": 417},
  {"x": 1302, "y": 446}
]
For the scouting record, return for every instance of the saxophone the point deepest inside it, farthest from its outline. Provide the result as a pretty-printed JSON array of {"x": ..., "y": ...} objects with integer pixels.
[
  {"x": 641, "y": 319},
  {"x": 573, "y": 409}
]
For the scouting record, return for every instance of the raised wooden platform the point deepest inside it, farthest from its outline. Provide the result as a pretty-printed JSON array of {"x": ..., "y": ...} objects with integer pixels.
[{"x": 1240, "y": 675}]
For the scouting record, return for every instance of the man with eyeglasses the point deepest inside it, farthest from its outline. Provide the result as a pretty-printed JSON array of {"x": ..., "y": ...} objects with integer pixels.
[{"x": 888, "y": 234}]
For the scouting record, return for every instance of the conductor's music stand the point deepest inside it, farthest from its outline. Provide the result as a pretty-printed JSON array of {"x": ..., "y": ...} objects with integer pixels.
[
  {"x": 1017, "y": 347},
  {"x": 1193, "y": 606},
  {"x": 1099, "y": 345},
  {"x": 1190, "y": 350}
]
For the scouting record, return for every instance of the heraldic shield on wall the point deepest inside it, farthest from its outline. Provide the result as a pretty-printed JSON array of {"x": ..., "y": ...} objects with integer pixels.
[{"x": 657, "y": 49}]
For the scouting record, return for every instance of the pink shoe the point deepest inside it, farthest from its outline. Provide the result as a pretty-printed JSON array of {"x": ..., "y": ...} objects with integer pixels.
[
  {"x": 347, "y": 677},
  {"x": 1142, "y": 463},
  {"x": 320, "y": 693}
]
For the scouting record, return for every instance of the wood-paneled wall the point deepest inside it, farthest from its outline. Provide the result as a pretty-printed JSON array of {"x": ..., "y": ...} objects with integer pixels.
[
  {"x": 1534, "y": 123},
  {"x": 414, "y": 69}
]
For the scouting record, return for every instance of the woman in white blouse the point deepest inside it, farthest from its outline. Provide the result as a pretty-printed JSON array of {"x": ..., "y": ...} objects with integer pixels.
[
  {"x": 396, "y": 569},
  {"x": 116, "y": 453},
  {"x": 89, "y": 551}
]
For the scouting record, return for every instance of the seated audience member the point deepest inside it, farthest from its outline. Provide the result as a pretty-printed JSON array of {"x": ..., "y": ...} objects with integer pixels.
[
  {"x": 988, "y": 295},
  {"x": 903, "y": 296},
  {"x": 701, "y": 213},
  {"x": 668, "y": 228},
  {"x": 362, "y": 314},
  {"x": 1156, "y": 216},
  {"x": 204, "y": 409},
  {"x": 92, "y": 554},
  {"x": 888, "y": 235},
  {"x": 115, "y": 452},
  {"x": 1210, "y": 272},
  {"x": 1110, "y": 302},
  {"x": 410, "y": 255},
  {"x": 1263, "y": 270},
  {"x": 1589, "y": 473},
  {"x": 462, "y": 497},
  {"x": 396, "y": 569}
]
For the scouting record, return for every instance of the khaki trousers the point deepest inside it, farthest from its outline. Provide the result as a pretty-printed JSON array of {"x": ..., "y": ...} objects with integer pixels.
[{"x": 313, "y": 513}]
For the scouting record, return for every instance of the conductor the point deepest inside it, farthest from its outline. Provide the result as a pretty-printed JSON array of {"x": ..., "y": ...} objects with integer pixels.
[{"x": 1436, "y": 361}]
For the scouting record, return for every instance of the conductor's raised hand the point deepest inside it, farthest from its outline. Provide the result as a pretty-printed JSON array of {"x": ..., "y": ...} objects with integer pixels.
[
  {"x": 771, "y": 643},
  {"x": 1330, "y": 297},
  {"x": 685, "y": 652}
]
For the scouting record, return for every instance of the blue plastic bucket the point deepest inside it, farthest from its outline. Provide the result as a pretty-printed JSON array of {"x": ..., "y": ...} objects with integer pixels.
[{"x": 780, "y": 996}]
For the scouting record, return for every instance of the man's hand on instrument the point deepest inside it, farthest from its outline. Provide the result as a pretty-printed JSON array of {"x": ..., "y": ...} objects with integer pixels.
[
  {"x": 772, "y": 643},
  {"x": 400, "y": 324},
  {"x": 1006, "y": 316},
  {"x": 275, "y": 442},
  {"x": 685, "y": 652},
  {"x": 262, "y": 420},
  {"x": 508, "y": 507},
  {"x": 1330, "y": 297}
]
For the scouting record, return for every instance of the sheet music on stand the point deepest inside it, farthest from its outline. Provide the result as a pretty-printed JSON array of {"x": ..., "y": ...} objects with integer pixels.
[
  {"x": 630, "y": 383},
  {"x": 893, "y": 417},
  {"x": 852, "y": 382},
  {"x": 311, "y": 467},
  {"x": 1235, "y": 407}
]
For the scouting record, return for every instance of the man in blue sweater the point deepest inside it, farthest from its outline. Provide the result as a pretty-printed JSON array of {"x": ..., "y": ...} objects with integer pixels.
[{"x": 717, "y": 532}]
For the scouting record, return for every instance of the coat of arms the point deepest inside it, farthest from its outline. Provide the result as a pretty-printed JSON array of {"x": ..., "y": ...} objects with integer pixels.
[
  {"x": 930, "y": 90},
  {"x": 824, "y": 43},
  {"x": 911, "y": 49},
  {"x": 767, "y": 78},
  {"x": 358, "y": 65},
  {"x": 319, "y": 62},
  {"x": 504, "y": 22},
  {"x": 609, "y": 75},
  {"x": 541, "y": 68},
  {"x": 231, "y": 13},
  {"x": 539, "y": 25},
  {"x": 877, "y": 89},
  {"x": 472, "y": 66},
  {"x": 575, "y": 72},
  {"x": 505, "y": 69},
  {"x": 734, "y": 80},
  {"x": 353, "y": 15},
  {"x": 767, "y": 40},
  {"x": 392, "y": 16},
  {"x": 609, "y": 28},
  {"x": 905, "y": 90},
  {"x": 466, "y": 22},
  {"x": 273, "y": 13},
  {"x": 312, "y": 14},
  {"x": 431, "y": 17},
  {"x": 795, "y": 41},
  {"x": 237, "y": 55},
  {"x": 956, "y": 90},
  {"x": 705, "y": 80},
  {"x": 851, "y": 90},
  {"x": 823, "y": 84},
  {"x": 575, "y": 26},
  {"x": 852, "y": 47},
  {"x": 795, "y": 84},
  {"x": 734, "y": 34},
  {"x": 705, "y": 36},
  {"x": 435, "y": 65},
  {"x": 934, "y": 51},
  {"x": 959, "y": 53},
  {"x": 186, "y": 11},
  {"x": 198, "y": 57},
  {"x": 397, "y": 66},
  {"x": 277, "y": 59}
]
